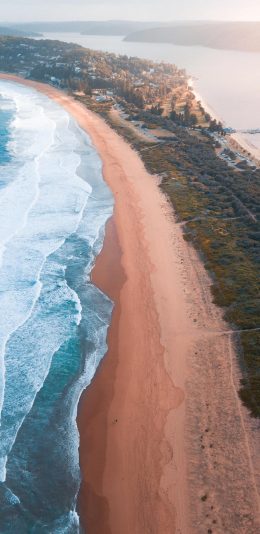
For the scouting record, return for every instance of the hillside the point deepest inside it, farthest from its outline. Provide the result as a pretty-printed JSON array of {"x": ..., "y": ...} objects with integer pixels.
[
  {"x": 110, "y": 27},
  {"x": 16, "y": 32},
  {"x": 243, "y": 36}
]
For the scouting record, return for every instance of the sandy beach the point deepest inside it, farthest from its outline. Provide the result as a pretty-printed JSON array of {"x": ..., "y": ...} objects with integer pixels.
[
  {"x": 165, "y": 445},
  {"x": 244, "y": 143}
]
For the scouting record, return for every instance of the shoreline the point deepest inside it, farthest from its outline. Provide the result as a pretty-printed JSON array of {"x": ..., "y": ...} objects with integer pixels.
[
  {"x": 240, "y": 142},
  {"x": 93, "y": 509},
  {"x": 205, "y": 105},
  {"x": 236, "y": 141},
  {"x": 141, "y": 331},
  {"x": 154, "y": 394}
]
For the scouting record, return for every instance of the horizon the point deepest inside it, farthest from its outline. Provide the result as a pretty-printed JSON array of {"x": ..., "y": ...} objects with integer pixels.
[
  {"x": 32, "y": 11},
  {"x": 156, "y": 23},
  {"x": 48, "y": 21}
]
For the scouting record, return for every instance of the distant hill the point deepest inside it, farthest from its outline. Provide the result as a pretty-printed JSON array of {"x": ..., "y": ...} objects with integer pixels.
[
  {"x": 16, "y": 32},
  {"x": 243, "y": 36},
  {"x": 110, "y": 27},
  {"x": 116, "y": 27}
]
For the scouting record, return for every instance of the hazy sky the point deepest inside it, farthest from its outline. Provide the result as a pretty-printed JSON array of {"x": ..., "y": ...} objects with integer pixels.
[{"x": 27, "y": 10}]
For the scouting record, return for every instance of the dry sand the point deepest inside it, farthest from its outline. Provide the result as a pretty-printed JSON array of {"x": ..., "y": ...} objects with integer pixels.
[
  {"x": 245, "y": 144},
  {"x": 166, "y": 446}
]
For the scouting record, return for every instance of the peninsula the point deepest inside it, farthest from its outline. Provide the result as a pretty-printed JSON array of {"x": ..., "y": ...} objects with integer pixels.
[
  {"x": 166, "y": 445},
  {"x": 243, "y": 36}
]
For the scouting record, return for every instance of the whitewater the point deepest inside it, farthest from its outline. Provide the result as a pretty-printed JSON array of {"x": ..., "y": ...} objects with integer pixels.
[{"x": 53, "y": 323}]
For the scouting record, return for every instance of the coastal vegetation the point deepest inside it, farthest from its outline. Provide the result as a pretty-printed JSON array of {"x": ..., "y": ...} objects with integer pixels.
[
  {"x": 71, "y": 66},
  {"x": 215, "y": 199},
  {"x": 219, "y": 208}
]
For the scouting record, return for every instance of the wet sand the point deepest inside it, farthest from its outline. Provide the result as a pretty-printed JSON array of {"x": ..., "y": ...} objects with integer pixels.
[
  {"x": 109, "y": 276},
  {"x": 165, "y": 445}
]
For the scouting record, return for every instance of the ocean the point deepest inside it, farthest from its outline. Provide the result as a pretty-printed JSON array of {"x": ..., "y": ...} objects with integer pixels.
[{"x": 54, "y": 205}]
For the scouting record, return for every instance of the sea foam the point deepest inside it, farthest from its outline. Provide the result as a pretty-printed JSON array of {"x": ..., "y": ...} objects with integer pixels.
[{"x": 53, "y": 208}]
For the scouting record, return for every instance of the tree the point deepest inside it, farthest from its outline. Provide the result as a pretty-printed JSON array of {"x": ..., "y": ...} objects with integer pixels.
[
  {"x": 193, "y": 119},
  {"x": 156, "y": 110}
]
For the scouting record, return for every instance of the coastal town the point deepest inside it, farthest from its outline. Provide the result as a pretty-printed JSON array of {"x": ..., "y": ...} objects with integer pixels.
[
  {"x": 160, "y": 87},
  {"x": 69, "y": 65}
]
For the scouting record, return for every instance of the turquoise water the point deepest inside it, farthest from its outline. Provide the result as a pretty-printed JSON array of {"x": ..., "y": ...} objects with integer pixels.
[
  {"x": 53, "y": 208},
  {"x": 5, "y": 119}
]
